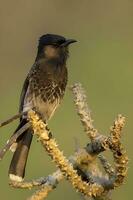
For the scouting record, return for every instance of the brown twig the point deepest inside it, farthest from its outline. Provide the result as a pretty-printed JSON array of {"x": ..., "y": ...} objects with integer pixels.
[
  {"x": 83, "y": 111},
  {"x": 13, "y": 139},
  {"x": 113, "y": 143},
  {"x": 11, "y": 119},
  {"x": 119, "y": 154},
  {"x": 50, "y": 184},
  {"x": 81, "y": 169},
  {"x": 40, "y": 129},
  {"x": 29, "y": 184},
  {"x": 107, "y": 166}
]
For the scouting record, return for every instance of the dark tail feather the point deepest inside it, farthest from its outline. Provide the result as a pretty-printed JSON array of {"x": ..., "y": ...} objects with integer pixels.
[{"x": 18, "y": 162}]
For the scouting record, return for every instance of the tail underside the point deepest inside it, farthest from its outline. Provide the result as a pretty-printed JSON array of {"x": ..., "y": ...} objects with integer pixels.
[{"x": 18, "y": 162}]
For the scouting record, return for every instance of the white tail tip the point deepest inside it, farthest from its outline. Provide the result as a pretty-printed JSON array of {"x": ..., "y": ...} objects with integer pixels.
[{"x": 13, "y": 177}]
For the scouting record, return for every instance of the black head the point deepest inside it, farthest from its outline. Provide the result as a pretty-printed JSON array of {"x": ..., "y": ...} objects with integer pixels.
[
  {"x": 52, "y": 39},
  {"x": 51, "y": 44}
]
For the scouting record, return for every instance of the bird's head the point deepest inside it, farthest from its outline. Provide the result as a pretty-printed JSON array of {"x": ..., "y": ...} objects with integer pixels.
[{"x": 53, "y": 46}]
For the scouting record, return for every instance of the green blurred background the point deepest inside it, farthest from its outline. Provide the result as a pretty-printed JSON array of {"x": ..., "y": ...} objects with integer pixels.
[{"x": 101, "y": 60}]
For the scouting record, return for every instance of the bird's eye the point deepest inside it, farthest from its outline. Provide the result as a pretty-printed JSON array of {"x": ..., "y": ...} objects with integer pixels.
[
  {"x": 57, "y": 44},
  {"x": 61, "y": 42}
]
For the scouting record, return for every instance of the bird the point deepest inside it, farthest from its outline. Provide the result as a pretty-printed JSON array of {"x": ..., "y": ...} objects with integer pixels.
[{"x": 43, "y": 90}]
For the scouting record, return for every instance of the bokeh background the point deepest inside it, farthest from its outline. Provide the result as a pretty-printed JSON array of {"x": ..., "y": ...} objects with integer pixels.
[{"x": 101, "y": 60}]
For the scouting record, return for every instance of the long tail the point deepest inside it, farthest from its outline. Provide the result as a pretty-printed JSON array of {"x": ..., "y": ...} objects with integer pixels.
[{"x": 18, "y": 162}]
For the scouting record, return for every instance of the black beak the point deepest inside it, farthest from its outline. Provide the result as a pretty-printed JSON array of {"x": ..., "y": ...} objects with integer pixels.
[{"x": 67, "y": 42}]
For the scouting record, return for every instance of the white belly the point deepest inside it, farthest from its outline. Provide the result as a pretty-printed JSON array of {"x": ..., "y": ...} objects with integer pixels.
[{"x": 45, "y": 108}]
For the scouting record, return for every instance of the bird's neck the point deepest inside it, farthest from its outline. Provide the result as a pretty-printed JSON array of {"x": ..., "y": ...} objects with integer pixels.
[{"x": 58, "y": 60}]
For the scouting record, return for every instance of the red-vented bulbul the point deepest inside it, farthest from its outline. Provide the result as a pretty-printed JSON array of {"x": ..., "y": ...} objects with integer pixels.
[{"x": 43, "y": 90}]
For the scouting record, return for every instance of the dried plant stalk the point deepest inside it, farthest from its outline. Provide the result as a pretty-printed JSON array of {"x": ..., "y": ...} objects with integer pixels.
[
  {"x": 49, "y": 185},
  {"x": 83, "y": 111},
  {"x": 120, "y": 156},
  {"x": 13, "y": 139},
  {"x": 11, "y": 119},
  {"x": 40, "y": 129},
  {"x": 28, "y": 184},
  {"x": 81, "y": 169},
  {"x": 42, "y": 193},
  {"x": 107, "y": 166}
]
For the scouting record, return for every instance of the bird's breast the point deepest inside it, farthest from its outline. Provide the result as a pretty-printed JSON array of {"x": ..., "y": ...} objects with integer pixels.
[
  {"x": 44, "y": 99},
  {"x": 46, "y": 90}
]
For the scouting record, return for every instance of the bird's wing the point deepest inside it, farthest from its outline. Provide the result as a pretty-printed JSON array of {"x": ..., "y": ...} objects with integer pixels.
[
  {"x": 23, "y": 93},
  {"x": 25, "y": 88}
]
